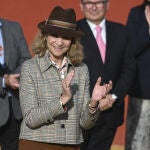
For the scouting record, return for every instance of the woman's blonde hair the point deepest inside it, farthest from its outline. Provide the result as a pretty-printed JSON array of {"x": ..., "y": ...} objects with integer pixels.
[{"x": 75, "y": 53}]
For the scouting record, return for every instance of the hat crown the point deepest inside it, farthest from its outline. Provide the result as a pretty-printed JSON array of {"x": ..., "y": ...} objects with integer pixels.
[
  {"x": 61, "y": 22},
  {"x": 64, "y": 15}
]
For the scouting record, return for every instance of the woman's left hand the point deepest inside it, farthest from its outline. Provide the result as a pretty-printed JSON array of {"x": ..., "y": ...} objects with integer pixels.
[{"x": 100, "y": 91}]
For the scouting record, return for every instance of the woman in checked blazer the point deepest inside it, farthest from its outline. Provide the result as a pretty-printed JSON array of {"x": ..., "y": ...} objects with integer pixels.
[{"x": 54, "y": 88}]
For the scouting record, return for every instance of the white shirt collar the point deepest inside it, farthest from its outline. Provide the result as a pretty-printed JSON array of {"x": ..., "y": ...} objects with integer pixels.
[
  {"x": 102, "y": 25},
  {"x": 92, "y": 25}
]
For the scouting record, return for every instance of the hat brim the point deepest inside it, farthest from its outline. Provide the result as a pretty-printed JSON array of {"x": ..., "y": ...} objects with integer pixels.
[{"x": 56, "y": 30}]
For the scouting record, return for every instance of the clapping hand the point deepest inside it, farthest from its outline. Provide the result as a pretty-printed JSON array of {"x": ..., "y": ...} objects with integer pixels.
[
  {"x": 100, "y": 91},
  {"x": 12, "y": 81},
  {"x": 67, "y": 94}
]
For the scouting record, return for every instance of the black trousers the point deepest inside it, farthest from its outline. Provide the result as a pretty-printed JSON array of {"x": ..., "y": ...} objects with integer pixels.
[
  {"x": 9, "y": 133},
  {"x": 98, "y": 138}
]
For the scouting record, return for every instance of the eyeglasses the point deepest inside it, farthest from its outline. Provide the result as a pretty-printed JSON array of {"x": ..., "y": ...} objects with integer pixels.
[{"x": 97, "y": 4}]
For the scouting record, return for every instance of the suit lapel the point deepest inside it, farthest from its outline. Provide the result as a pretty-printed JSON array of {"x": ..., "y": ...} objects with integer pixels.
[
  {"x": 109, "y": 38},
  {"x": 6, "y": 38},
  {"x": 144, "y": 21},
  {"x": 91, "y": 44}
]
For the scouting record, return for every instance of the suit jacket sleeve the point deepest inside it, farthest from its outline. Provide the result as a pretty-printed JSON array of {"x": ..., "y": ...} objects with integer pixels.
[
  {"x": 126, "y": 72},
  {"x": 22, "y": 47},
  {"x": 15, "y": 47},
  {"x": 138, "y": 30}
]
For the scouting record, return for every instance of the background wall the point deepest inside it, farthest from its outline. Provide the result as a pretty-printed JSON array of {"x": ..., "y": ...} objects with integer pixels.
[{"x": 30, "y": 12}]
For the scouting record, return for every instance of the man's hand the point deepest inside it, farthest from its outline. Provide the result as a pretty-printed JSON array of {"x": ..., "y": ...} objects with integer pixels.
[
  {"x": 106, "y": 103},
  {"x": 12, "y": 81}
]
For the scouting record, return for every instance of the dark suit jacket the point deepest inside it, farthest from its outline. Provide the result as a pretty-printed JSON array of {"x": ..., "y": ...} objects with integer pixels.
[
  {"x": 139, "y": 32},
  {"x": 119, "y": 66},
  {"x": 15, "y": 53}
]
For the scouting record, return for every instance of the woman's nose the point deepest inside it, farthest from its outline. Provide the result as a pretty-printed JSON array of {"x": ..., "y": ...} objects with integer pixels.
[{"x": 59, "y": 41}]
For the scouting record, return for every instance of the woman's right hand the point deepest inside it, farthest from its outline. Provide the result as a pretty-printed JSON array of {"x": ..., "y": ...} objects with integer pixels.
[{"x": 66, "y": 83}]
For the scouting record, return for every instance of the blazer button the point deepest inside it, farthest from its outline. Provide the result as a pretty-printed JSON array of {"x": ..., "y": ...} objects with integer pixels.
[
  {"x": 62, "y": 126},
  {"x": 48, "y": 121}
]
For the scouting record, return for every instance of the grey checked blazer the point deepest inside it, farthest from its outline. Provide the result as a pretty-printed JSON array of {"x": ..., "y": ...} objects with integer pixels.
[
  {"x": 15, "y": 53},
  {"x": 44, "y": 119}
]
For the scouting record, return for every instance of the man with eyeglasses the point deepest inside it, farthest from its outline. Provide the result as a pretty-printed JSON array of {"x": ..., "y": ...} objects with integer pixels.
[{"x": 107, "y": 54}]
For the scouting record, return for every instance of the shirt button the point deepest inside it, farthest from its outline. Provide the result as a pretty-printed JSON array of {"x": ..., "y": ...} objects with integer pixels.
[{"x": 62, "y": 126}]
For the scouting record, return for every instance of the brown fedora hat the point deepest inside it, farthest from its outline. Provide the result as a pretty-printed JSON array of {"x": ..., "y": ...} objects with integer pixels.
[{"x": 61, "y": 22}]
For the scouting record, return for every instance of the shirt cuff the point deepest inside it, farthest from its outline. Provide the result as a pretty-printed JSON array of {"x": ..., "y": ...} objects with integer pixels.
[{"x": 3, "y": 83}]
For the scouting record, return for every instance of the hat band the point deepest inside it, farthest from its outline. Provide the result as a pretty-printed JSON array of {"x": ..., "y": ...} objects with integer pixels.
[{"x": 61, "y": 24}]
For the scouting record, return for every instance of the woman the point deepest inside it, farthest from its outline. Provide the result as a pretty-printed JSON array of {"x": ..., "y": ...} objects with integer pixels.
[
  {"x": 138, "y": 133},
  {"x": 54, "y": 88}
]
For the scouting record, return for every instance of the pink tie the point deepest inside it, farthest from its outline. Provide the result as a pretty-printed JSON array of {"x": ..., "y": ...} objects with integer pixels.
[{"x": 100, "y": 42}]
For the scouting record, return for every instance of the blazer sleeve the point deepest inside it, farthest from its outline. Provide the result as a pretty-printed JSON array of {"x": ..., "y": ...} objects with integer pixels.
[{"x": 87, "y": 119}]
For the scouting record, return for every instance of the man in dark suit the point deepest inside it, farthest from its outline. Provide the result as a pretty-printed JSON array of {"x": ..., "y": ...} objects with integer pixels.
[
  {"x": 13, "y": 52},
  {"x": 118, "y": 66},
  {"x": 138, "y": 133}
]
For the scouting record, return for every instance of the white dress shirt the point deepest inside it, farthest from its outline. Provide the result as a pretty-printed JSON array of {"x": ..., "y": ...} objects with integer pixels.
[{"x": 1, "y": 44}]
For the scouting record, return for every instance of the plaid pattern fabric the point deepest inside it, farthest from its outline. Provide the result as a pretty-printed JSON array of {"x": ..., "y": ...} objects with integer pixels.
[{"x": 44, "y": 119}]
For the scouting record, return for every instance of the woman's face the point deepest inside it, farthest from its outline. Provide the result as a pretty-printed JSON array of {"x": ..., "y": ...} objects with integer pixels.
[{"x": 58, "y": 46}]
